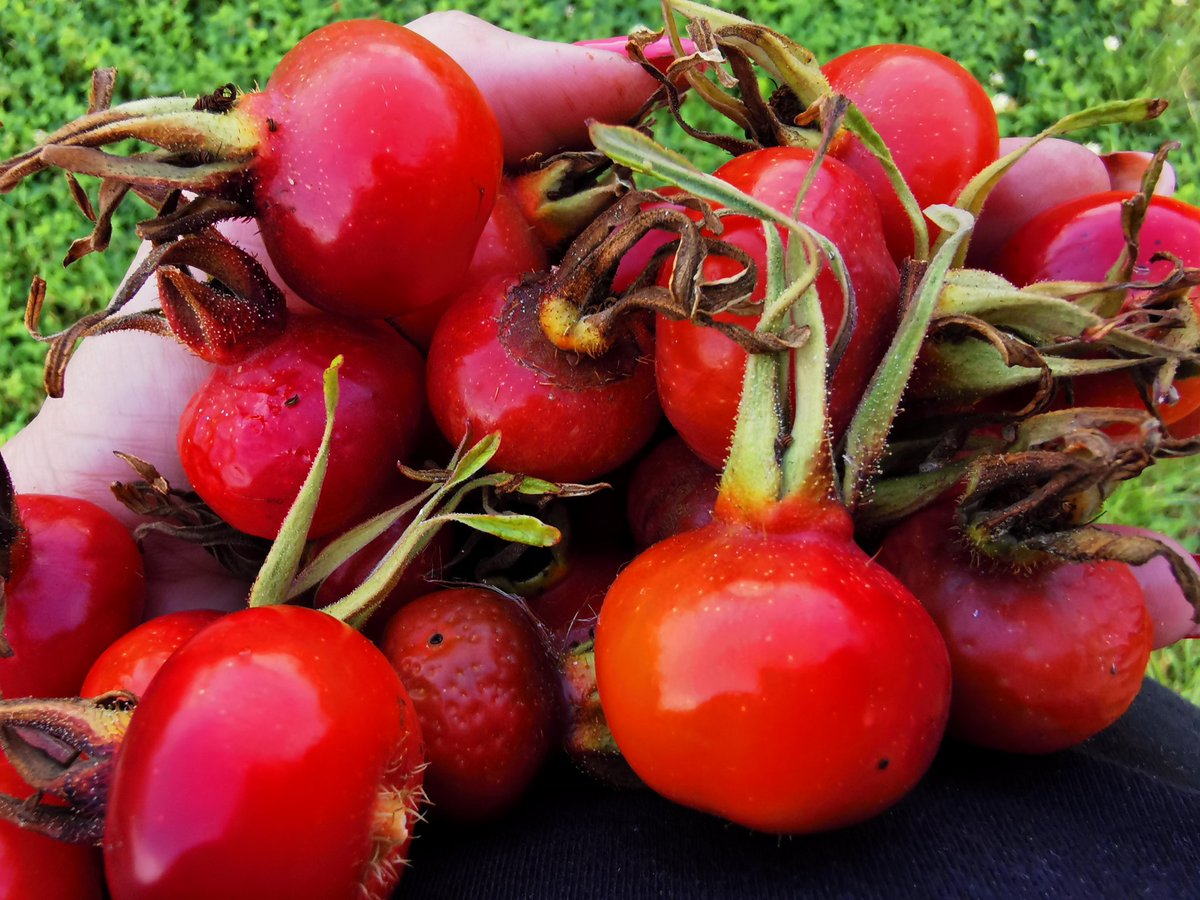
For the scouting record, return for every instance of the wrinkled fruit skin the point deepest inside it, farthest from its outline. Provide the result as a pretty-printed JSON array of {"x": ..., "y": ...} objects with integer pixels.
[
  {"x": 379, "y": 173},
  {"x": 1042, "y": 660},
  {"x": 76, "y": 586},
  {"x": 481, "y": 680},
  {"x": 782, "y": 681},
  {"x": 276, "y": 754},
  {"x": 248, "y": 436}
]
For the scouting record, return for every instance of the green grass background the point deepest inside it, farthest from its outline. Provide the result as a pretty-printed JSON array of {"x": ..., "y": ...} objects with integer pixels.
[{"x": 1049, "y": 57}]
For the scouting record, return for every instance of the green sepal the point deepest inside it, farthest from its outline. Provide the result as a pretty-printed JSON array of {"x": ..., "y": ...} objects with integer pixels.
[
  {"x": 866, "y": 438},
  {"x": 337, "y": 551},
  {"x": 970, "y": 368},
  {"x": 283, "y": 559},
  {"x": 893, "y": 499},
  {"x": 1042, "y": 317}
]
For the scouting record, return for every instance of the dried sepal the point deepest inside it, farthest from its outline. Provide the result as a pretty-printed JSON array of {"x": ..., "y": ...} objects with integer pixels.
[
  {"x": 64, "y": 748},
  {"x": 220, "y": 321},
  {"x": 218, "y": 324},
  {"x": 184, "y": 516}
]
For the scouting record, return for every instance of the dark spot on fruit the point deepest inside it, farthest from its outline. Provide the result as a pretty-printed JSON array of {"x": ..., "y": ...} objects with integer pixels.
[
  {"x": 435, "y": 639},
  {"x": 882, "y": 764},
  {"x": 292, "y": 400},
  {"x": 1112, "y": 669},
  {"x": 272, "y": 125}
]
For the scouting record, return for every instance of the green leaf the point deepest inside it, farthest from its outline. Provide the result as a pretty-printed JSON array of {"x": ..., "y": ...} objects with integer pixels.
[
  {"x": 336, "y": 552},
  {"x": 283, "y": 559},
  {"x": 471, "y": 462},
  {"x": 513, "y": 527}
]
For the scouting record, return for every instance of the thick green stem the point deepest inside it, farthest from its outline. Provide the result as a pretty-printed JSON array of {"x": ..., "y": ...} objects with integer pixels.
[{"x": 763, "y": 466}]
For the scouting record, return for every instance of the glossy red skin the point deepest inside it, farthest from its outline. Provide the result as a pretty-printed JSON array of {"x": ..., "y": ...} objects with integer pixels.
[
  {"x": 550, "y": 427},
  {"x": 246, "y": 451},
  {"x": 672, "y": 491},
  {"x": 1081, "y": 240},
  {"x": 77, "y": 585},
  {"x": 700, "y": 370},
  {"x": 255, "y": 762},
  {"x": 413, "y": 583},
  {"x": 480, "y": 678},
  {"x": 380, "y": 171},
  {"x": 32, "y": 865},
  {"x": 508, "y": 246},
  {"x": 832, "y": 688},
  {"x": 936, "y": 119},
  {"x": 132, "y": 660},
  {"x": 1042, "y": 660}
]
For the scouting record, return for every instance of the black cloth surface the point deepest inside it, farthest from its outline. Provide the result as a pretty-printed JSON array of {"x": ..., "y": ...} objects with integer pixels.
[{"x": 1117, "y": 817}]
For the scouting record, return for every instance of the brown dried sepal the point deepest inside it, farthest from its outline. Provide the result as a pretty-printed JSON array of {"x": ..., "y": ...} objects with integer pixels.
[
  {"x": 578, "y": 312},
  {"x": 64, "y": 748},
  {"x": 1054, "y": 476},
  {"x": 183, "y": 515},
  {"x": 220, "y": 321},
  {"x": 217, "y": 324},
  {"x": 730, "y": 54}
]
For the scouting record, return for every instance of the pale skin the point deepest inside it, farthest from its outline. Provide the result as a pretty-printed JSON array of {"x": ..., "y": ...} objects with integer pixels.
[{"x": 126, "y": 391}]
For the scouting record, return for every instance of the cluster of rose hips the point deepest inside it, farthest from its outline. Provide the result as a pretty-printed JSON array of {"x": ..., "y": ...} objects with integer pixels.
[{"x": 619, "y": 469}]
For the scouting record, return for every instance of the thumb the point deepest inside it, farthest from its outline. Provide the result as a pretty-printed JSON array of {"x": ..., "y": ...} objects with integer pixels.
[{"x": 542, "y": 92}]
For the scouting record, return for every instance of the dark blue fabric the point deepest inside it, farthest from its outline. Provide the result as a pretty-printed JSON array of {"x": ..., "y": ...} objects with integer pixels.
[{"x": 1116, "y": 817}]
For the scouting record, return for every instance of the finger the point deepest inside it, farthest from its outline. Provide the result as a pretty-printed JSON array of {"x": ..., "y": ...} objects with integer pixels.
[
  {"x": 183, "y": 576},
  {"x": 542, "y": 92}
]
